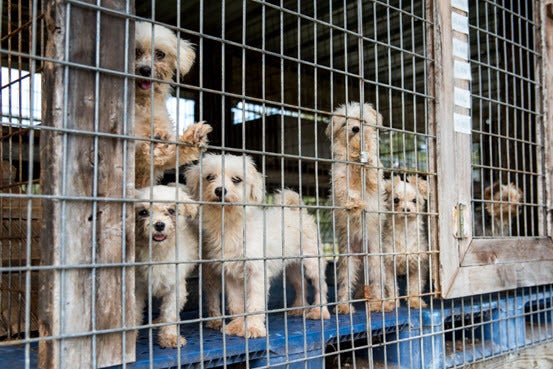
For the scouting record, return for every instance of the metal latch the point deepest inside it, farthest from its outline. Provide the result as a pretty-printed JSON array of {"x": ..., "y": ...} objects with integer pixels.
[{"x": 460, "y": 221}]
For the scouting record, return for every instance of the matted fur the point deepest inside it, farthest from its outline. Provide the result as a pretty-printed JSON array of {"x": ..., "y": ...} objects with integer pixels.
[
  {"x": 353, "y": 130},
  {"x": 152, "y": 119},
  {"x": 503, "y": 206},
  {"x": 176, "y": 243},
  {"x": 405, "y": 241},
  {"x": 235, "y": 231}
]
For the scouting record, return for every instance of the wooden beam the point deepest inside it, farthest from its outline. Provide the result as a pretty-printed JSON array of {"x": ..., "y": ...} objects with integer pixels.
[
  {"x": 547, "y": 65},
  {"x": 446, "y": 152},
  {"x": 500, "y": 277},
  {"x": 509, "y": 250},
  {"x": 79, "y": 301}
]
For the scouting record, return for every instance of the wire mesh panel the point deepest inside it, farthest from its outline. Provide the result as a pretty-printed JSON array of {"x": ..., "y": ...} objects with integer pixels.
[
  {"x": 20, "y": 209},
  {"x": 253, "y": 184},
  {"x": 507, "y": 130}
]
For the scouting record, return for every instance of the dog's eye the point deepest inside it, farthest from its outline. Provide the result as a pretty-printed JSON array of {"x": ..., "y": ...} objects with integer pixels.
[
  {"x": 171, "y": 211},
  {"x": 138, "y": 53},
  {"x": 236, "y": 180},
  {"x": 143, "y": 213},
  {"x": 415, "y": 200},
  {"x": 210, "y": 177},
  {"x": 160, "y": 54},
  {"x": 396, "y": 200}
]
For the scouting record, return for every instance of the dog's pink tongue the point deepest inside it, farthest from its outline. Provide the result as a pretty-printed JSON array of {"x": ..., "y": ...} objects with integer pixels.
[
  {"x": 159, "y": 237},
  {"x": 145, "y": 85}
]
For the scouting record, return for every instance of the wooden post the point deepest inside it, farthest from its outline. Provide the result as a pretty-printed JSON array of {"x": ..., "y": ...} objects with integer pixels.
[
  {"x": 547, "y": 35},
  {"x": 79, "y": 231}
]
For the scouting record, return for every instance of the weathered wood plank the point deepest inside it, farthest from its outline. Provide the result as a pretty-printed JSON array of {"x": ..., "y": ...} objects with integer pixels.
[
  {"x": 77, "y": 301},
  {"x": 499, "y": 277},
  {"x": 547, "y": 65},
  {"x": 483, "y": 252},
  {"x": 445, "y": 139}
]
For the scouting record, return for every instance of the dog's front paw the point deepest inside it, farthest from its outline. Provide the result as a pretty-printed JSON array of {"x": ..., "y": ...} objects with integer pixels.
[
  {"x": 295, "y": 311},
  {"x": 237, "y": 327},
  {"x": 163, "y": 151},
  {"x": 214, "y": 324},
  {"x": 379, "y": 306},
  {"x": 344, "y": 309},
  {"x": 196, "y": 134},
  {"x": 318, "y": 312},
  {"x": 170, "y": 340},
  {"x": 417, "y": 303}
]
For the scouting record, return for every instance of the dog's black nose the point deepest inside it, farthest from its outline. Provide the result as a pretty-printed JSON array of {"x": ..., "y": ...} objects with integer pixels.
[
  {"x": 355, "y": 129},
  {"x": 145, "y": 71},
  {"x": 159, "y": 226},
  {"x": 220, "y": 192}
]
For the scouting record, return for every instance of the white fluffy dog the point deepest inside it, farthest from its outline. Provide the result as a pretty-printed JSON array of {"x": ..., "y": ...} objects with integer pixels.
[
  {"x": 164, "y": 235},
  {"x": 353, "y": 132},
  {"x": 160, "y": 61},
  {"x": 243, "y": 235},
  {"x": 405, "y": 240}
]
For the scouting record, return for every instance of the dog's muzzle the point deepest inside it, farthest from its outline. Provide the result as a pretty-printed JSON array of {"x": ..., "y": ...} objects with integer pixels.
[
  {"x": 220, "y": 192},
  {"x": 158, "y": 235},
  {"x": 144, "y": 71}
]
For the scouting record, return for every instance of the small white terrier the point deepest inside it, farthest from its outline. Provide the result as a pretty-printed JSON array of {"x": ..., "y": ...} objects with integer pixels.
[
  {"x": 161, "y": 63},
  {"x": 236, "y": 228},
  {"x": 164, "y": 234},
  {"x": 353, "y": 132},
  {"x": 405, "y": 239}
]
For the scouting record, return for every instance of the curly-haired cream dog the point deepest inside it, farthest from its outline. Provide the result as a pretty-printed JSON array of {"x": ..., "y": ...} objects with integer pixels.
[
  {"x": 163, "y": 230},
  {"x": 405, "y": 241},
  {"x": 503, "y": 205},
  {"x": 152, "y": 122},
  {"x": 353, "y": 133},
  {"x": 235, "y": 227}
]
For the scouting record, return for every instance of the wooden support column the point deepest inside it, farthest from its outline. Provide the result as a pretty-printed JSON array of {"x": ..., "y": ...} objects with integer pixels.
[{"x": 80, "y": 171}]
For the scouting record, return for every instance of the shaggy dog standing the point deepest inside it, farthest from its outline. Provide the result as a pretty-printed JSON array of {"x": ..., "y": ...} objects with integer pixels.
[
  {"x": 254, "y": 244},
  {"x": 152, "y": 121},
  {"x": 166, "y": 239},
  {"x": 357, "y": 189},
  {"x": 405, "y": 241}
]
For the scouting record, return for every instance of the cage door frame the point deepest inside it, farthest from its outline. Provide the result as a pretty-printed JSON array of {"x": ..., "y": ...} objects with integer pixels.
[{"x": 470, "y": 266}]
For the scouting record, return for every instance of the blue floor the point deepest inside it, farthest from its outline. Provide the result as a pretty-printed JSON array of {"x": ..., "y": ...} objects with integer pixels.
[
  {"x": 303, "y": 336},
  {"x": 452, "y": 333}
]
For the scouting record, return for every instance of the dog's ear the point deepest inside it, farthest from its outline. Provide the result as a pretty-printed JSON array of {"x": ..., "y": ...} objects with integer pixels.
[
  {"x": 330, "y": 128},
  {"x": 192, "y": 175},
  {"x": 518, "y": 190},
  {"x": 379, "y": 118},
  {"x": 187, "y": 55},
  {"x": 388, "y": 186},
  {"x": 487, "y": 193},
  {"x": 371, "y": 112},
  {"x": 186, "y": 208},
  {"x": 255, "y": 180},
  {"x": 492, "y": 190},
  {"x": 420, "y": 184}
]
